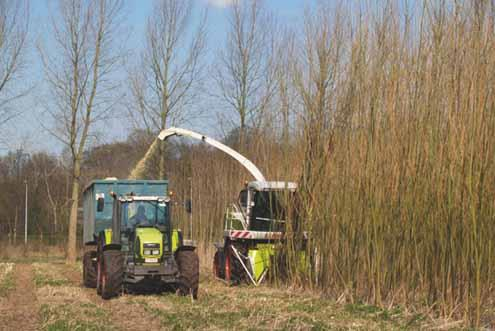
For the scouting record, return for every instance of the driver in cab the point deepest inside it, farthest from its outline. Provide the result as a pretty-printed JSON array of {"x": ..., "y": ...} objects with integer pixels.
[{"x": 140, "y": 217}]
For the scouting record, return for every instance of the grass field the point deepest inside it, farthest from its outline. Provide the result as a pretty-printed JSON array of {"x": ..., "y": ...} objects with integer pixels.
[{"x": 47, "y": 295}]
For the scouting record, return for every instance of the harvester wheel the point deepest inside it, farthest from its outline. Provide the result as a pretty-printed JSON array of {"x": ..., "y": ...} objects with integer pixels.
[
  {"x": 89, "y": 269},
  {"x": 219, "y": 265},
  {"x": 112, "y": 276},
  {"x": 188, "y": 263}
]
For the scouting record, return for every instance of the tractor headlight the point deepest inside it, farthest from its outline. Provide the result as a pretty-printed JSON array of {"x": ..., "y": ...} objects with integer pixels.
[{"x": 151, "y": 249}]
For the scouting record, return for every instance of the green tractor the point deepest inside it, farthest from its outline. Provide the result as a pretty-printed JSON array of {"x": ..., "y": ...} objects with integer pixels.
[{"x": 131, "y": 241}]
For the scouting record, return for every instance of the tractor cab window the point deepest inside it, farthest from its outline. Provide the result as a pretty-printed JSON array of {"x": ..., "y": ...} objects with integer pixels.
[
  {"x": 268, "y": 213},
  {"x": 145, "y": 213}
]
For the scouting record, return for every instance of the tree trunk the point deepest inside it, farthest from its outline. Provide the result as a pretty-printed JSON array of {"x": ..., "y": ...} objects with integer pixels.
[
  {"x": 163, "y": 148},
  {"x": 72, "y": 242},
  {"x": 55, "y": 220},
  {"x": 15, "y": 227},
  {"x": 242, "y": 129}
]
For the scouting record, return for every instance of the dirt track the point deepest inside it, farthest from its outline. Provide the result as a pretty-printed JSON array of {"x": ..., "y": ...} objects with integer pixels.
[{"x": 20, "y": 310}]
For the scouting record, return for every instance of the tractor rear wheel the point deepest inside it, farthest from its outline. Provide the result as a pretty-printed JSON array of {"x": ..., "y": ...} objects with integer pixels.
[
  {"x": 99, "y": 271},
  {"x": 188, "y": 263},
  {"x": 112, "y": 276},
  {"x": 89, "y": 269},
  {"x": 219, "y": 265},
  {"x": 99, "y": 262}
]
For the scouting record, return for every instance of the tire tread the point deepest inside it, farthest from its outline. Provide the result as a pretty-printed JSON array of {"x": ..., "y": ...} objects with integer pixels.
[
  {"x": 113, "y": 265},
  {"x": 188, "y": 263}
]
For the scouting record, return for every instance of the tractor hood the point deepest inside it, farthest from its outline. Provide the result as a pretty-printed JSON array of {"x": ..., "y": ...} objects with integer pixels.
[{"x": 150, "y": 242}]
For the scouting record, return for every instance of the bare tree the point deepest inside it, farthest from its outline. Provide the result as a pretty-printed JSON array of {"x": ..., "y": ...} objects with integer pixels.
[
  {"x": 245, "y": 74},
  {"x": 13, "y": 32},
  {"x": 286, "y": 95},
  {"x": 78, "y": 70},
  {"x": 165, "y": 84}
]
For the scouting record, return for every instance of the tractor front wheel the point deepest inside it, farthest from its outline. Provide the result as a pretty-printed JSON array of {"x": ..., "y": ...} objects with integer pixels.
[
  {"x": 112, "y": 274},
  {"x": 89, "y": 269},
  {"x": 188, "y": 263}
]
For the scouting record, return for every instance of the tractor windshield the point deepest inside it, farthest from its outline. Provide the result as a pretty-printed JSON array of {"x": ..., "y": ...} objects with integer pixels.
[{"x": 145, "y": 213}]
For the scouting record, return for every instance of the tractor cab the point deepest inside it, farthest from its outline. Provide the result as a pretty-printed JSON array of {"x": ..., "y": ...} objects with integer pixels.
[
  {"x": 142, "y": 226},
  {"x": 142, "y": 213}
]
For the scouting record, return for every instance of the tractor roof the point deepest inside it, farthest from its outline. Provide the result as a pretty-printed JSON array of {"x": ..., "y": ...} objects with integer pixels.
[
  {"x": 131, "y": 198},
  {"x": 271, "y": 186}
]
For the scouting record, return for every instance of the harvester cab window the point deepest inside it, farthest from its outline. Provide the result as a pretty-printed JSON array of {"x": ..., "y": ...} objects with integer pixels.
[
  {"x": 268, "y": 213},
  {"x": 243, "y": 196}
]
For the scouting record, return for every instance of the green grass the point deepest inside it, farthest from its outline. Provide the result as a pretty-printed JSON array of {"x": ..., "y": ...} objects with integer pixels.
[
  {"x": 7, "y": 284},
  {"x": 265, "y": 308},
  {"x": 41, "y": 280},
  {"x": 48, "y": 274},
  {"x": 82, "y": 316}
]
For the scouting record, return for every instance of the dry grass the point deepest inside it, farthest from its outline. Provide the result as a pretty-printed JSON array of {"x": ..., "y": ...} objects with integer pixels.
[
  {"x": 49, "y": 274},
  {"x": 6, "y": 279},
  {"x": 68, "y": 306},
  {"x": 5, "y": 270},
  {"x": 247, "y": 308},
  {"x": 33, "y": 250},
  {"x": 63, "y": 305}
]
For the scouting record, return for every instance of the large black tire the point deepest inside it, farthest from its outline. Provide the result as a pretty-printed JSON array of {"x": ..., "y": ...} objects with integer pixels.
[
  {"x": 219, "y": 265},
  {"x": 188, "y": 263},
  {"x": 99, "y": 262},
  {"x": 112, "y": 276},
  {"x": 99, "y": 271},
  {"x": 89, "y": 269}
]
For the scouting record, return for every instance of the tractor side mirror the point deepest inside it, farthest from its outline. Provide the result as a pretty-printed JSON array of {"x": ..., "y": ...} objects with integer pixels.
[
  {"x": 188, "y": 205},
  {"x": 100, "y": 204}
]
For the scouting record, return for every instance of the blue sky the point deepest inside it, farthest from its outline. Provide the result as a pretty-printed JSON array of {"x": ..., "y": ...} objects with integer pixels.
[{"x": 27, "y": 130}]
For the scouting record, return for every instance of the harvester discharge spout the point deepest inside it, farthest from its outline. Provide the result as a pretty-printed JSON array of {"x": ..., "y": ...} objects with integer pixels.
[{"x": 253, "y": 170}]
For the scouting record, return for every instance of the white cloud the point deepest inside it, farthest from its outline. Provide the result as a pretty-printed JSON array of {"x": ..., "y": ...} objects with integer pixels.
[{"x": 220, "y": 3}]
